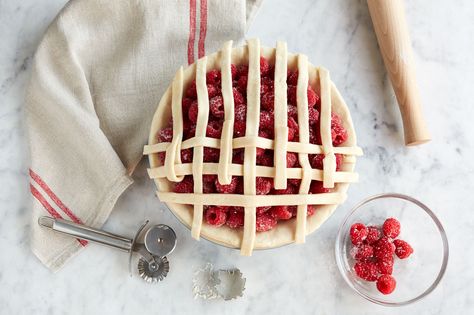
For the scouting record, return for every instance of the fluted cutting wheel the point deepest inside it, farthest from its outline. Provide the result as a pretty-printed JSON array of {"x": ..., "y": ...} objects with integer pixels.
[{"x": 155, "y": 271}]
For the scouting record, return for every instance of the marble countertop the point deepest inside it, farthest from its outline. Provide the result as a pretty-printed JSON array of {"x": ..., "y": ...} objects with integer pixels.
[{"x": 299, "y": 279}]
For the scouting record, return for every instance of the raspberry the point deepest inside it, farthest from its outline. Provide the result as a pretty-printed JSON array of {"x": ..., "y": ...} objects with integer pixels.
[
  {"x": 212, "y": 90},
  {"x": 260, "y": 152},
  {"x": 191, "y": 91},
  {"x": 238, "y": 97},
  {"x": 386, "y": 284},
  {"x": 186, "y": 104},
  {"x": 318, "y": 188},
  {"x": 402, "y": 249},
  {"x": 266, "y": 159},
  {"x": 240, "y": 186},
  {"x": 292, "y": 129},
  {"x": 240, "y": 112},
  {"x": 385, "y": 266},
  {"x": 293, "y": 210},
  {"x": 261, "y": 210},
  {"x": 189, "y": 130},
  {"x": 242, "y": 84},
  {"x": 358, "y": 233},
  {"x": 313, "y": 116},
  {"x": 165, "y": 135},
  {"x": 317, "y": 161},
  {"x": 373, "y": 235},
  {"x": 391, "y": 228},
  {"x": 239, "y": 128},
  {"x": 227, "y": 189},
  {"x": 208, "y": 187},
  {"x": 193, "y": 112},
  {"x": 335, "y": 119},
  {"x": 292, "y": 77},
  {"x": 291, "y": 94},
  {"x": 280, "y": 213},
  {"x": 264, "y": 185},
  {"x": 216, "y": 106},
  {"x": 265, "y": 134},
  {"x": 267, "y": 101},
  {"x": 271, "y": 72},
  {"x": 310, "y": 210},
  {"x": 266, "y": 120},
  {"x": 233, "y": 71},
  {"x": 294, "y": 181},
  {"x": 292, "y": 112},
  {"x": 213, "y": 77},
  {"x": 235, "y": 218},
  {"x": 238, "y": 156},
  {"x": 362, "y": 252},
  {"x": 266, "y": 85},
  {"x": 313, "y": 98},
  {"x": 209, "y": 178},
  {"x": 264, "y": 66},
  {"x": 186, "y": 156},
  {"x": 265, "y": 222},
  {"x": 215, "y": 216},
  {"x": 291, "y": 134},
  {"x": 339, "y": 134},
  {"x": 384, "y": 249},
  {"x": 291, "y": 159},
  {"x": 214, "y": 129},
  {"x": 314, "y": 136},
  {"x": 211, "y": 154},
  {"x": 292, "y": 123},
  {"x": 185, "y": 186},
  {"x": 264, "y": 89},
  {"x": 366, "y": 270}
]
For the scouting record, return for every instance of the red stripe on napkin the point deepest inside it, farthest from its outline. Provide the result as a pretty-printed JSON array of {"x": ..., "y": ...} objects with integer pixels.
[
  {"x": 53, "y": 197},
  {"x": 192, "y": 30},
  {"x": 202, "y": 29},
  {"x": 50, "y": 209}
]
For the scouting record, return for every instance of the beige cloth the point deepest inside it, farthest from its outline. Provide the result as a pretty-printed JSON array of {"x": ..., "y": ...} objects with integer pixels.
[{"x": 98, "y": 75}]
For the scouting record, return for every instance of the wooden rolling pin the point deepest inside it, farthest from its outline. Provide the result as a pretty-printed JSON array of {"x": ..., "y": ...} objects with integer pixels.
[{"x": 388, "y": 17}]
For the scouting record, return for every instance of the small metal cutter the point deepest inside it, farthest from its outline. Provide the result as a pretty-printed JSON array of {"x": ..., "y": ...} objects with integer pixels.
[{"x": 158, "y": 241}]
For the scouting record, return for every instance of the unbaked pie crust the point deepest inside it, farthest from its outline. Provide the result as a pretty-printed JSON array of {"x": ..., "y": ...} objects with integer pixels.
[{"x": 173, "y": 170}]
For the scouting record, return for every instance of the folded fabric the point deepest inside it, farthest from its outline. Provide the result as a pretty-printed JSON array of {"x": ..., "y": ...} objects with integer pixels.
[{"x": 98, "y": 75}]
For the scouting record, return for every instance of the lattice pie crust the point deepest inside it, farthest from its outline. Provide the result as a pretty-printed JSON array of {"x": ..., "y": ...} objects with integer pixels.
[{"x": 188, "y": 208}]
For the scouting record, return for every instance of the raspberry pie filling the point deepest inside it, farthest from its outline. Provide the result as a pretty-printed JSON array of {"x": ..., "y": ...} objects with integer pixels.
[
  {"x": 256, "y": 127},
  {"x": 267, "y": 217}
]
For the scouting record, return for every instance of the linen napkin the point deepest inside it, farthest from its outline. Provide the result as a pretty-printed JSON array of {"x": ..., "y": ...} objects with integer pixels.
[{"x": 97, "y": 77}]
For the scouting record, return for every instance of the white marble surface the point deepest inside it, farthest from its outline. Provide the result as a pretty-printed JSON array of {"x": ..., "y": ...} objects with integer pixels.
[{"x": 297, "y": 279}]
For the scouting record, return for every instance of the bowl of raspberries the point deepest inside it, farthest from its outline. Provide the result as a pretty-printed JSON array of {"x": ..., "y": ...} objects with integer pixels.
[{"x": 392, "y": 249}]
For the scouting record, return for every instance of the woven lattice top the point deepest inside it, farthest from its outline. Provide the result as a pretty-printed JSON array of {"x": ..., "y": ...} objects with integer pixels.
[{"x": 174, "y": 170}]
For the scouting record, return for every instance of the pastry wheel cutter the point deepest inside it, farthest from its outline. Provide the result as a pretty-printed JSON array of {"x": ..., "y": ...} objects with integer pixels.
[{"x": 158, "y": 241}]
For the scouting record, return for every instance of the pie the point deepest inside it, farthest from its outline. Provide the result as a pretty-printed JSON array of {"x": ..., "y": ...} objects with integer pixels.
[{"x": 252, "y": 147}]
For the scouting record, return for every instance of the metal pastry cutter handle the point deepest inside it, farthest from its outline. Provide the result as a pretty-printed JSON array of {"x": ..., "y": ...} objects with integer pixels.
[{"x": 87, "y": 233}]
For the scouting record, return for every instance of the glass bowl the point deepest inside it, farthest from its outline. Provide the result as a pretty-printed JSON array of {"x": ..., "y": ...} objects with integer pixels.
[{"x": 416, "y": 275}]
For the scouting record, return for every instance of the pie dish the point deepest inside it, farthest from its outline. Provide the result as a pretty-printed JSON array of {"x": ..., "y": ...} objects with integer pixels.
[{"x": 321, "y": 133}]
